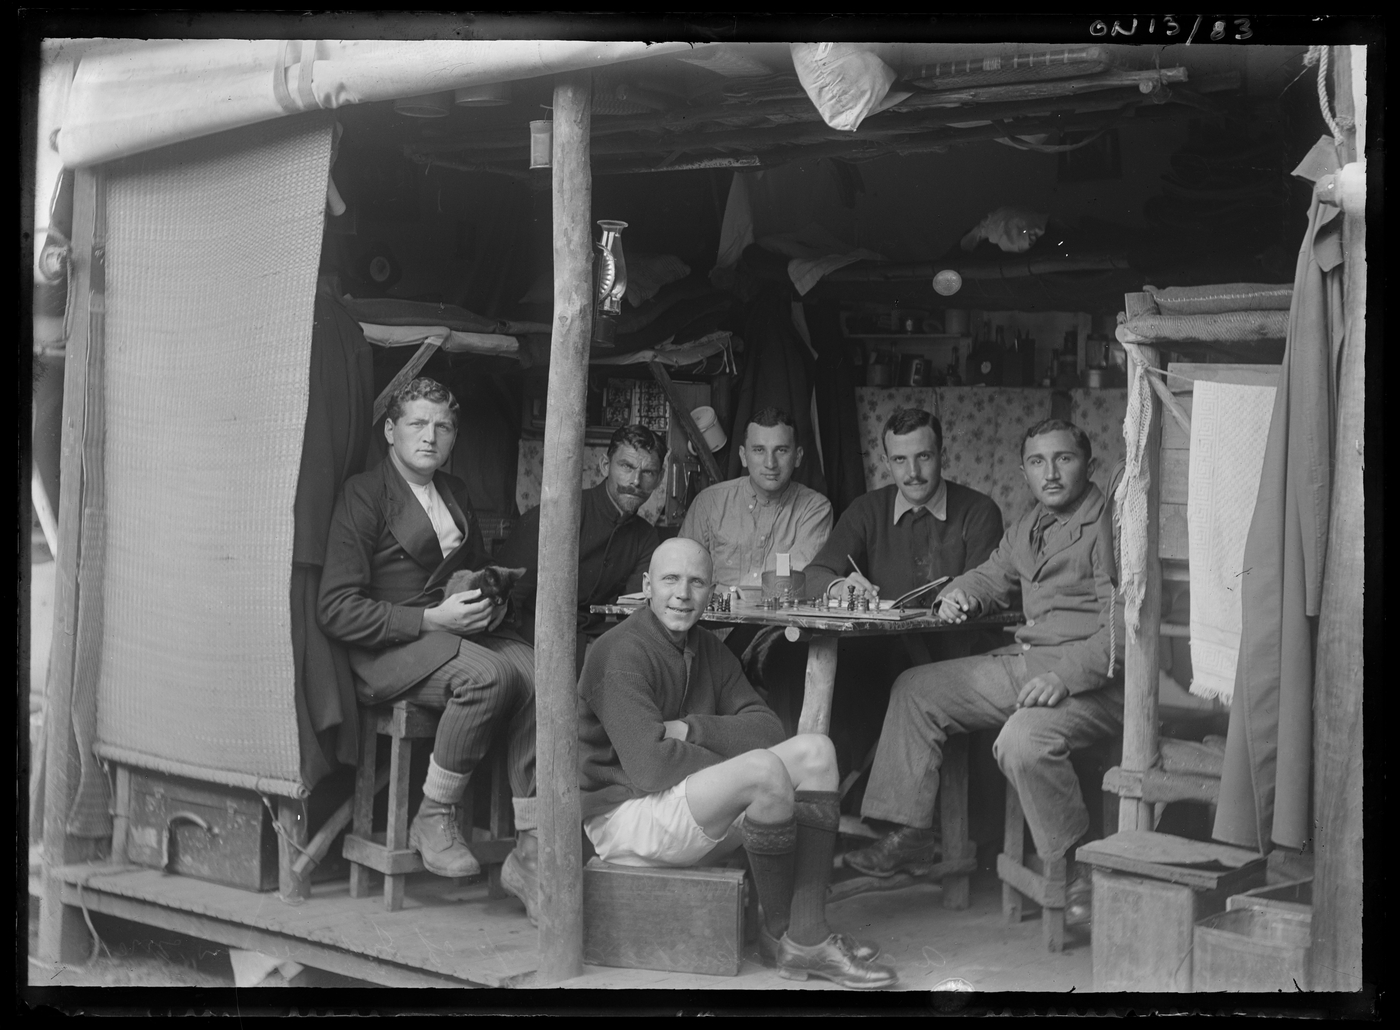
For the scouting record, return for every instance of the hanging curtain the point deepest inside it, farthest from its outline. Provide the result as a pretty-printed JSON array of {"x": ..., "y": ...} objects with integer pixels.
[
  {"x": 777, "y": 373},
  {"x": 1264, "y": 791},
  {"x": 836, "y": 401},
  {"x": 339, "y": 404}
]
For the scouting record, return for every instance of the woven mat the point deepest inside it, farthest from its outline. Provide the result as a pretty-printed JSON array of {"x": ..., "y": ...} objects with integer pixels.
[
  {"x": 1229, "y": 431},
  {"x": 1222, "y": 327},
  {"x": 212, "y": 255}
]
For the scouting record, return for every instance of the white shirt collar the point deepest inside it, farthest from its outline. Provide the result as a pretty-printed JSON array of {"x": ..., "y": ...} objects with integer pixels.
[{"x": 937, "y": 505}]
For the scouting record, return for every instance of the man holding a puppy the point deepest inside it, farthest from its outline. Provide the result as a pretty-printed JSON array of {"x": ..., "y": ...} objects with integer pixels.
[{"x": 399, "y": 532}]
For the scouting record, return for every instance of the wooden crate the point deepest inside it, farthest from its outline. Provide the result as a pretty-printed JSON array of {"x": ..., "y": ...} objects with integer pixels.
[
  {"x": 683, "y": 920},
  {"x": 166, "y": 829},
  {"x": 1150, "y": 891},
  {"x": 1260, "y": 950}
]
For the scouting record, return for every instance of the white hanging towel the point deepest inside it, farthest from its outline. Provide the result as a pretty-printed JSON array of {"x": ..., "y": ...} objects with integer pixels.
[{"x": 1229, "y": 429}]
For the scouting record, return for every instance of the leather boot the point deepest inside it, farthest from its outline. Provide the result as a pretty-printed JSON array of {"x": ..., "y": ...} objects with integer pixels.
[
  {"x": 520, "y": 873},
  {"x": 438, "y": 841}
]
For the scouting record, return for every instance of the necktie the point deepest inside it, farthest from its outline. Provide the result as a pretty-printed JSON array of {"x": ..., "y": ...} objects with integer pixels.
[{"x": 1042, "y": 526}]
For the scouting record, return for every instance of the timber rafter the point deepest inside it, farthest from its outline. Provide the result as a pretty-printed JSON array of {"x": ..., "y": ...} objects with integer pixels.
[{"x": 745, "y": 132}]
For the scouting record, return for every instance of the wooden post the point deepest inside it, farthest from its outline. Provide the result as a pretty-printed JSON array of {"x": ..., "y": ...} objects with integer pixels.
[
  {"x": 63, "y": 936},
  {"x": 1335, "y": 955},
  {"x": 556, "y": 684},
  {"x": 293, "y": 884},
  {"x": 1140, "y": 675}
]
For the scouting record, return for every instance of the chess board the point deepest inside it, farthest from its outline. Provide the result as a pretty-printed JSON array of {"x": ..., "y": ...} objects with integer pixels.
[{"x": 811, "y": 611}]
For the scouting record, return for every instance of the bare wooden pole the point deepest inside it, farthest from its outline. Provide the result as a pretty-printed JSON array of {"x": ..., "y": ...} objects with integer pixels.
[
  {"x": 62, "y": 934},
  {"x": 556, "y": 697},
  {"x": 1140, "y": 651},
  {"x": 1335, "y": 955}
]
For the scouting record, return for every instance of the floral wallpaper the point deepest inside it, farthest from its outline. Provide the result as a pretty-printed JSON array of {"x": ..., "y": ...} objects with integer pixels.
[
  {"x": 982, "y": 428},
  {"x": 531, "y": 468},
  {"x": 1100, "y": 414}
]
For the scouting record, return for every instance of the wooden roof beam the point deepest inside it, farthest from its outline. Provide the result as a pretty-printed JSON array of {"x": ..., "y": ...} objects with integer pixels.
[{"x": 684, "y": 118}]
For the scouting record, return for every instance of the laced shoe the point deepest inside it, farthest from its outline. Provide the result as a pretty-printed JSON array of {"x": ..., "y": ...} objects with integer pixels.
[
  {"x": 438, "y": 841},
  {"x": 896, "y": 851},
  {"x": 522, "y": 882},
  {"x": 866, "y": 951},
  {"x": 833, "y": 959}
]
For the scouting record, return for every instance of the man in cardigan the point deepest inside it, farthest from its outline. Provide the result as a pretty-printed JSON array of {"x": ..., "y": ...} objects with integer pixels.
[
  {"x": 398, "y": 532},
  {"x": 680, "y": 762},
  {"x": 901, "y": 536},
  {"x": 1055, "y": 690},
  {"x": 614, "y": 542}
]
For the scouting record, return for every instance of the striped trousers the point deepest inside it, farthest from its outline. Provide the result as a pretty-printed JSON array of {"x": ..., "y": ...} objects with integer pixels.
[{"x": 489, "y": 686}]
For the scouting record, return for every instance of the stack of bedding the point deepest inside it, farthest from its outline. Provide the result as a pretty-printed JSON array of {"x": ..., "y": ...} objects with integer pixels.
[{"x": 1221, "y": 314}]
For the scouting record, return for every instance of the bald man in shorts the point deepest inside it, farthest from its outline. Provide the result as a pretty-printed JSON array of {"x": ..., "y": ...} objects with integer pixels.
[{"x": 681, "y": 763}]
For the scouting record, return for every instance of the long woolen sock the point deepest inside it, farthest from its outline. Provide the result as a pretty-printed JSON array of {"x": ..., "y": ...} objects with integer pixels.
[
  {"x": 770, "y": 847},
  {"x": 818, "y": 814}
]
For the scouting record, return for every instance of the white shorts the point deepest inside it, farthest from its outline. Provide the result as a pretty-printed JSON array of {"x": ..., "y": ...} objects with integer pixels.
[{"x": 657, "y": 830}]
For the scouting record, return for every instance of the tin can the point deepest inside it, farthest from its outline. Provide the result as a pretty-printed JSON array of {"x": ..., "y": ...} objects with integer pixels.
[{"x": 1094, "y": 378}]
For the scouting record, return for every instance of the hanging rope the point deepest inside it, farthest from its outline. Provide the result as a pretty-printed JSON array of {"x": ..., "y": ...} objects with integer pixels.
[{"x": 1321, "y": 56}]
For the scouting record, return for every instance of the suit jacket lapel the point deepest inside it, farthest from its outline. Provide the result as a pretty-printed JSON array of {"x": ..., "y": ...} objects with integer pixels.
[
  {"x": 407, "y": 520},
  {"x": 457, "y": 559},
  {"x": 1087, "y": 512}
]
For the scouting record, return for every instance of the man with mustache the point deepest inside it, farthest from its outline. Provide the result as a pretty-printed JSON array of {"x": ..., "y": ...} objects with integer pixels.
[
  {"x": 614, "y": 542},
  {"x": 681, "y": 763},
  {"x": 916, "y": 530}
]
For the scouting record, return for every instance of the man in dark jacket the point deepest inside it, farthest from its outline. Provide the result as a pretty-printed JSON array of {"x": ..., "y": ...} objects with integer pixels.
[
  {"x": 398, "y": 532},
  {"x": 614, "y": 542},
  {"x": 680, "y": 762}
]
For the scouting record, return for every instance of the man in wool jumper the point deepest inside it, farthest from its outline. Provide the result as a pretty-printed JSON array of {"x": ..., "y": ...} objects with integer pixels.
[
  {"x": 917, "y": 529},
  {"x": 681, "y": 763},
  {"x": 1055, "y": 690},
  {"x": 614, "y": 542}
]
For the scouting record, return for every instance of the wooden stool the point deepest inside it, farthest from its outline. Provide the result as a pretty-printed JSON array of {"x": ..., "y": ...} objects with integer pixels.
[
  {"x": 387, "y": 851},
  {"x": 1027, "y": 876},
  {"x": 959, "y": 859}
]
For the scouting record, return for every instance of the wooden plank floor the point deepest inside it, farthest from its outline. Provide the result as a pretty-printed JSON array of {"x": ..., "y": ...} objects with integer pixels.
[
  {"x": 444, "y": 930},
  {"x": 455, "y": 936}
]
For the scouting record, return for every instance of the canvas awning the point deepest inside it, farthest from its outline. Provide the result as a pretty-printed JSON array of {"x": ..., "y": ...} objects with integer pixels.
[{"x": 127, "y": 99}]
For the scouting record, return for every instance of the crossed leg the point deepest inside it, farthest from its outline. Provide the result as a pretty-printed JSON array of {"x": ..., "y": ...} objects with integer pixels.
[{"x": 760, "y": 784}]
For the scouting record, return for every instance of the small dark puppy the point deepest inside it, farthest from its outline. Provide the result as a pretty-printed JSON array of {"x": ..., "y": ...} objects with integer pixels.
[{"x": 493, "y": 581}]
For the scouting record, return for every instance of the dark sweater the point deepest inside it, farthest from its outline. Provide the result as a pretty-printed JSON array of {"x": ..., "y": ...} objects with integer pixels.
[
  {"x": 613, "y": 551},
  {"x": 918, "y": 550},
  {"x": 634, "y": 680}
]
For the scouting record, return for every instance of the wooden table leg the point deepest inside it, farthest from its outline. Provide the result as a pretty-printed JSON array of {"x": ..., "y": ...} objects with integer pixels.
[{"x": 819, "y": 684}]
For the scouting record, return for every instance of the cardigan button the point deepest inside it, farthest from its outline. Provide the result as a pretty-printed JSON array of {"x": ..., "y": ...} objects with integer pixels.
[
  {"x": 1025, "y": 647},
  {"x": 1030, "y": 622}
]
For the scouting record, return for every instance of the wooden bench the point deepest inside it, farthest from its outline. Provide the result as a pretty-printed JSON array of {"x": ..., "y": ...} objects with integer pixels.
[{"x": 369, "y": 851}]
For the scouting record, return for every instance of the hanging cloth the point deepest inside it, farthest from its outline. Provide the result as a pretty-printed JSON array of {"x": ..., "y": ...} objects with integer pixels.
[
  {"x": 1264, "y": 790},
  {"x": 778, "y": 373}
]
